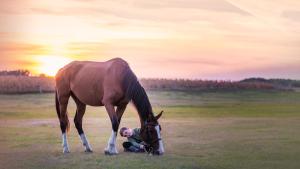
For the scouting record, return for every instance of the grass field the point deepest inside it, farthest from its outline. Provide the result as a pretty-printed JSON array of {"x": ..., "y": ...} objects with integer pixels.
[{"x": 201, "y": 130}]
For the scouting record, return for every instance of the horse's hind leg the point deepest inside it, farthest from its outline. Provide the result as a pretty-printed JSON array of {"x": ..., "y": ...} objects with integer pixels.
[
  {"x": 111, "y": 145},
  {"x": 61, "y": 108},
  {"x": 81, "y": 107}
]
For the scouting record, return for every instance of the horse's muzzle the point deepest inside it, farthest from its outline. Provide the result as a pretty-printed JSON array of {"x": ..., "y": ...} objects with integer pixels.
[{"x": 158, "y": 153}]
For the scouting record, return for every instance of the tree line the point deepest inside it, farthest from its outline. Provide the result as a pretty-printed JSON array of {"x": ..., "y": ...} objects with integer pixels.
[
  {"x": 15, "y": 72},
  {"x": 20, "y": 81}
]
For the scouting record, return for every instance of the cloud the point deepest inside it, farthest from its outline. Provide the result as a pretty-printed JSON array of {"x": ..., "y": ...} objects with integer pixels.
[
  {"x": 18, "y": 55},
  {"x": 87, "y": 50},
  {"x": 175, "y": 10},
  {"x": 292, "y": 15},
  {"x": 190, "y": 61},
  {"x": 11, "y": 49},
  {"x": 212, "y": 5}
]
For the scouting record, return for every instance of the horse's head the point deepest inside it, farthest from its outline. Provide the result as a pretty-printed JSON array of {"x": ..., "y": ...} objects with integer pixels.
[{"x": 150, "y": 133}]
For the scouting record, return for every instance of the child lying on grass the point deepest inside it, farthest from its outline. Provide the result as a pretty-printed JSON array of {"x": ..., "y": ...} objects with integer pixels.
[{"x": 134, "y": 142}]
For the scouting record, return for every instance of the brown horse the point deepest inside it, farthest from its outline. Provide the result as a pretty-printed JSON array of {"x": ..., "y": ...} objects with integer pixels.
[{"x": 111, "y": 84}]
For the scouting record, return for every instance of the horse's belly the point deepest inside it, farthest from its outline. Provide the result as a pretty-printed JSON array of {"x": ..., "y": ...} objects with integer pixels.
[
  {"x": 88, "y": 92},
  {"x": 90, "y": 99}
]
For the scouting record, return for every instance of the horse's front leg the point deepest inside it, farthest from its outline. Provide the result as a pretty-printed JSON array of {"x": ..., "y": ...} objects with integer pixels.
[{"x": 111, "y": 148}]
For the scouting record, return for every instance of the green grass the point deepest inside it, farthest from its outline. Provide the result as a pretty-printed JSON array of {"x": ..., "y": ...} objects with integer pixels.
[{"x": 207, "y": 130}]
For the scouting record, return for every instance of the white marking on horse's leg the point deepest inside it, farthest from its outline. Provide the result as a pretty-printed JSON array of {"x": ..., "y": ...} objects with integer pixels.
[
  {"x": 161, "y": 146},
  {"x": 85, "y": 143},
  {"x": 111, "y": 145},
  {"x": 65, "y": 143}
]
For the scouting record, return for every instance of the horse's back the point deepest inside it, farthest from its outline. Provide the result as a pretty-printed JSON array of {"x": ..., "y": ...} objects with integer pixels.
[{"x": 91, "y": 81}]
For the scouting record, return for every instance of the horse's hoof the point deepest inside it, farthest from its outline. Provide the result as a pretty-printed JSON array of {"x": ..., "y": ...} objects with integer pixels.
[
  {"x": 88, "y": 150},
  {"x": 66, "y": 151},
  {"x": 106, "y": 152}
]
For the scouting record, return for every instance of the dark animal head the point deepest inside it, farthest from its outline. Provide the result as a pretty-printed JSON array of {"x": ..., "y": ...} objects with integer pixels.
[{"x": 150, "y": 134}]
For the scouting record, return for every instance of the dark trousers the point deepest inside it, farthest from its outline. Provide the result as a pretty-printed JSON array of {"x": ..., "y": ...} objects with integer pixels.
[{"x": 128, "y": 146}]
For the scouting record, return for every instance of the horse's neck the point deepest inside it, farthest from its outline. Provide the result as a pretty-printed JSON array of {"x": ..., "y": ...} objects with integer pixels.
[
  {"x": 138, "y": 95},
  {"x": 146, "y": 116},
  {"x": 142, "y": 103}
]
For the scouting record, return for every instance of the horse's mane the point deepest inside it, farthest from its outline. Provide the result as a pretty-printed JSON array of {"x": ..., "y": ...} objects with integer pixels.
[{"x": 135, "y": 92}]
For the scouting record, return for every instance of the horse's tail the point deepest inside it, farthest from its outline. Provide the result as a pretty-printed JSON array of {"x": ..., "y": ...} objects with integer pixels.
[
  {"x": 63, "y": 119},
  {"x": 57, "y": 105}
]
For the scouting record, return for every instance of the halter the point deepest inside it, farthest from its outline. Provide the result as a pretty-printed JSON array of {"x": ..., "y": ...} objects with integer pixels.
[{"x": 148, "y": 135}]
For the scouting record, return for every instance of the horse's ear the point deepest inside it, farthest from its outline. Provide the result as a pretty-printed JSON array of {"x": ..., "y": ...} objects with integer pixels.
[{"x": 158, "y": 116}]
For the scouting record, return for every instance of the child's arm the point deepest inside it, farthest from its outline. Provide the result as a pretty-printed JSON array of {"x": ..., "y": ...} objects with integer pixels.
[{"x": 134, "y": 143}]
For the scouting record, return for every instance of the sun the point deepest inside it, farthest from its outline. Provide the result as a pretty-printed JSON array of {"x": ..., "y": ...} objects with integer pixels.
[{"x": 49, "y": 65}]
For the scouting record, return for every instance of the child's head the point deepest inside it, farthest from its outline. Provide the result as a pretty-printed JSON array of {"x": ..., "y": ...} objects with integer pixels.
[{"x": 125, "y": 132}]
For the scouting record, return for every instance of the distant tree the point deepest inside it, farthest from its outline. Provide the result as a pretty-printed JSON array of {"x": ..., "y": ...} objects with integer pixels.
[
  {"x": 15, "y": 73},
  {"x": 254, "y": 79}
]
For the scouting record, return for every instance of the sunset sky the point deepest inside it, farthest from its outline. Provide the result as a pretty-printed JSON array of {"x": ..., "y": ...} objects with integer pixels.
[{"x": 198, "y": 39}]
